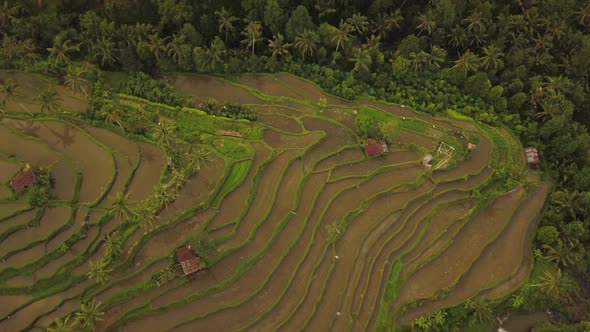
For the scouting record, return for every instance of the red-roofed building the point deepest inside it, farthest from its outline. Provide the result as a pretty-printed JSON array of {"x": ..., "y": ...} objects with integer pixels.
[
  {"x": 188, "y": 260},
  {"x": 532, "y": 156},
  {"x": 375, "y": 147},
  {"x": 23, "y": 180}
]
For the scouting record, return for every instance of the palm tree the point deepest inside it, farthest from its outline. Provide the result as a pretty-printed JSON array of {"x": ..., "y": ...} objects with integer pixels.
[
  {"x": 457, "y": 38},
  {"x": 307, "y": 42},
  {"x": 10, "y": 48},
  {"x": 564, "y": 254},
  {"x": 90, "y": 314},
  {"x": 557, "y": 84},
  {"x": 556, "y": 285},
  {"x": 362, "y": 60},
  {"x": 156, "y": 45},
  {"x": 566, "y": 200},
  {"x": 214, "y": 55},
  {"x": 99, "y": 270},
  {"x": 425, "y": 23},
  {"x": 418, "y": 60},
  {"x": 8, "y": 90},
  {"x": 120, "y": 206},
  {"x": 8, "y": 15},
  {"x": 492, "y": 58},
  {"x": 110, "y": 115},
  {"x": 174, "y": 48},
  {"x": 164, "y": 195},
  {"x": 226, "y": 22},
  {"x": 49, "y": 100},
  {"x": 136, "y": 34},
  {"x": 252, "y": 33},
  {"x": 385, "y": 23},
  {"x": 63, "y": 325},
  {"x": 113, "y": 245},
  {"x": 342, "y": 34},
  {"x": 28, "y": 55},
  {"x": 145, "y": 215},
  {"x": 104, "y": 51},
  {"x": 584, "y": 15},
  {"x": 278, "y": 47},
  {"x": 480, "y": 311},
  {"x": 75, "y": 79},
  {"x": 62, "y": 49},
  {"x": 475, "y": 22},
  {"x": 164, "y": 132},
  {"x": 196, "y": 158},
  {"x": 437, "y": 56},
  {"x": 468, "y": 62},
  {"x": 359, "y": 23}
]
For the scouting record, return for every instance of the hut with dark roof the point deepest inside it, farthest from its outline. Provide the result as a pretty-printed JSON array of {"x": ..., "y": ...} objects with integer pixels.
[
  {"x": 188, "y": 261},
  {"x": 23, "y": 180},
  {"x": 373, "y": 148}
]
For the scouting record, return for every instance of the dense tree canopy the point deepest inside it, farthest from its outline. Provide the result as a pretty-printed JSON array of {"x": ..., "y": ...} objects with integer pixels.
[{"x": 523, "y": 64}]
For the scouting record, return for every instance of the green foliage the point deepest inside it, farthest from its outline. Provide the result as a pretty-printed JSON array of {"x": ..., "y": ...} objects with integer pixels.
[
  {"x": 229, "y": 110},
  {"x": 38, "y": 196},
  {"x": 237, "y": 175},
  {"x": 547, "y": 235},
  {"x": 143, "y": 86}
]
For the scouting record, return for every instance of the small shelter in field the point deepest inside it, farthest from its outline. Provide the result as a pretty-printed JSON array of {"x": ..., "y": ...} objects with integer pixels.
[
  {"x": 188, "y": 261},
  {"x": 373, "y": 148},
  {"x": 23, "y": 180},
  {"x": 532, "y": 157}
]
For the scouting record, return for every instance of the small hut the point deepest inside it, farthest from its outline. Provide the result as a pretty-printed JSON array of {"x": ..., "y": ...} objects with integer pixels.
[
  {"x": 532, "y": 157},
  {"x": 23, "y": 180},
  {"x": 373, "y": 148},
  {"x": 189, "y": 261}
]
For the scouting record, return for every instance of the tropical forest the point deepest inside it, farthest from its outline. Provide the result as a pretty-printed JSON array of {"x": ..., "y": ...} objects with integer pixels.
[{"x": 295, "y": 165}]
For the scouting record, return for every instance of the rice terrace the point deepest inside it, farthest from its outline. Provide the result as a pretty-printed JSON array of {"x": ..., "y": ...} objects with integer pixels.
[{"x": 293, "y": 220}]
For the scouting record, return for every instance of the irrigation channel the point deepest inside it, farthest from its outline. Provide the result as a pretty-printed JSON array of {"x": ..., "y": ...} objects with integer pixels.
[{"x": 310, "y": 233}]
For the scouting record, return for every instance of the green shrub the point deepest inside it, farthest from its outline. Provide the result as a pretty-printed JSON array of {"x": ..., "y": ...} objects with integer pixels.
[{"x": 141, "y": 85}]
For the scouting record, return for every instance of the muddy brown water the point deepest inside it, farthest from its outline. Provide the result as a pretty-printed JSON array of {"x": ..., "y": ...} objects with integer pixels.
[
  {"x": 40, "y": 154},
  {"x": 126, "y": 154},
  {"x": 519, "y": 277},
  {"x": 53, "y": 219},
  {"x": 239, "y": 197},
  {"x": 363, "y": 167},
  {"x": 451, "y": 264},
  {"x": 148, "y": 172},
  {"x": 375, "y": 221},
  {"x": 390, "y": 247},
  {"x": 281, "y": 122},
  {"x": 269, "y": 85},
  {"x": 488, "y": 269},
  {"x": 7, "y": 170},
  {"x": 265, "y": 198},
  {"x": 283, "y": 141},
  {"x": 25, "y": 316},
  {"x": 18, "y": 220},
  {"x": 346, "y": 118},
  {"x": 347, "y": 155},
  {"x": 437, "y": 227},
  {"x": 95, "y": 162},
  {"x": 281, "y": 209},
  {"x": 307, "y": 89},
  {"x": 31, "y": 85},
  {"x": 317, "y": 256},
  {"x": 281, "y": 109},
  {"x": 203, "y": 88},
  {"x": 336, "y": 137}
]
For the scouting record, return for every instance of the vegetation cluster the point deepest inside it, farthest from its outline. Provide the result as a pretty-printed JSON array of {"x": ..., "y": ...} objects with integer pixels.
[{"x": 521, "y": 64}]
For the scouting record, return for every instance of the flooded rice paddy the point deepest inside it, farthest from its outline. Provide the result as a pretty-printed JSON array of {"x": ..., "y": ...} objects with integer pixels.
[{"x": 304, "y": 242}]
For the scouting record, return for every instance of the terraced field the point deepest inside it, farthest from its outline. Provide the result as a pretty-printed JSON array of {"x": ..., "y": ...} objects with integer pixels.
[{"x": 308, "y": 231}]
